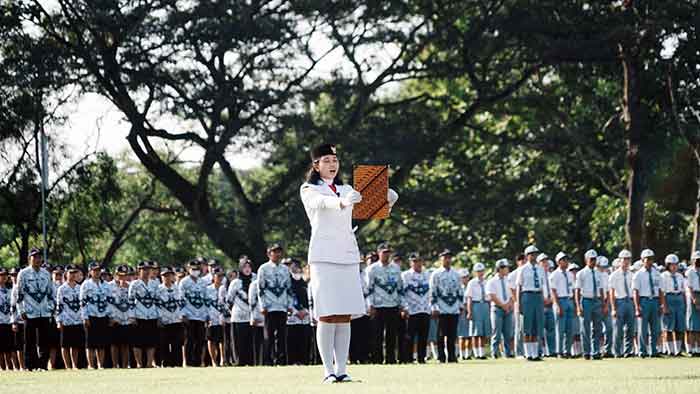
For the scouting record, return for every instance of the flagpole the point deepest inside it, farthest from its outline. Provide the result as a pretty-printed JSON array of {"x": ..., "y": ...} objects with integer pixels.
[{"x": 44, "y": 184}]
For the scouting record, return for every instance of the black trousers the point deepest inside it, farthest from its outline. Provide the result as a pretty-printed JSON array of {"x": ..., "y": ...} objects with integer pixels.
[
  {"x": 229, "y": 357},
  {"x": 298, "y": 338},
  {"x": 360, "y": 333},
  {"x": 172, "y": 338},
  {"x": 447, "y": 330},
  {"x": 387, "y": 322},
  {"x": 36, "y": 334},
  {"x": 275, "y": 352},
  {"x": 405, "y": 353},
  {"x": 258, "y": 344},
  {"x": 243, "y": 344},
  {"x": 196, "y": 335},
  {"x": 417, "y": 330}
]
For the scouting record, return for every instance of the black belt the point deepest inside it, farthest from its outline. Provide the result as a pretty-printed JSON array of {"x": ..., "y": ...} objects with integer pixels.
[
  {"x": 648, "y": 298},
  {"x": 564, "y": 298},
  {"x": 477, "y": 302},
  {"x": 531, "y": 291}
]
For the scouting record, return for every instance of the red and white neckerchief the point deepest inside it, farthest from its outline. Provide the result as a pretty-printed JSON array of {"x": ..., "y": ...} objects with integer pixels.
[{"x": 332, "y": 186}]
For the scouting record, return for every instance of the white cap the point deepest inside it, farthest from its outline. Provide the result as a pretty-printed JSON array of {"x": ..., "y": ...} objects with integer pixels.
[
  {"x": 602, "y": 261},
  {"x": 479, "y": 267},
  {"x": 531, "y": 249},
  {"x": 695, "y": 256},
  {"x": 591, "y": 254},
  {"x": 541, "y": 257},
  {"x": 625, "y": 254},
  {"x": 463, "y": 273},
  {"x": 560, "y": 256},
  {"x": 617, "y": 263},
  {"x": 637, "y": 265},
  {"x": 671, "y": 259},
  {"x": 647, "y": 253},
  {"x": 551, "y": 264},
  {"x": 682, "y": 266},
  {"x": 502, "y": 263},
  {"x": 572, "y": 266}
]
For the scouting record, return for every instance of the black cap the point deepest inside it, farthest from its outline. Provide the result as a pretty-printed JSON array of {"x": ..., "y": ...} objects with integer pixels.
[
  {"x": 446, "y": 252},
  {"x": 94, "y": 265},
  {"x": 122, "y": 270},
  {"x": 274, "y": 246},
  {"x": 218, "y": 271},
  {"x": 213, "y": 262},
  {"x": 384, "y": 247},
  {"x": 132, "y": 271},
  {"x": 195, "y": 263},
  {"x": 322, "y": 150},
  {"x": 105, "y": 272},
  {"x": 57, "y": 268},
  {"x": 3, "y": 271},
  {"x": 144, "y": 264},
  {"x": 72, "y": 268},
  {"x": 15, "y": 271},
  {"x": 153, "y": 264},
  {"x": 34, "y": 251},
  {"x": 397, "y": 255},
  {"x": 166, "y": 271},
  {"x": 179, "y": 270},
  {"x": 414, "y": 256}
]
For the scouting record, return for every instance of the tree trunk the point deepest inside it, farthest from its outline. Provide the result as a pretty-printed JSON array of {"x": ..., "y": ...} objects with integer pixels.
[
  {"x": 24, "y": 248},
  {"x": 696, "y": 218},
  {"x": 633, "y": 118}
]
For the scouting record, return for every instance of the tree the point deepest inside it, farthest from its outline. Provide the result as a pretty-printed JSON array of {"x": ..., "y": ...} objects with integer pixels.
[
  {"x": 246, "y": 73},
  {"x": 627, "y": 34}
]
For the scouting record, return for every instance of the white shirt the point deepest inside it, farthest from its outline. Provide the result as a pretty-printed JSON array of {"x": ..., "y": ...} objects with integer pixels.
[
  {"x": 476, "y": 290},
  {"x": 668, "y": 286},
  {"x": 617, "y": 283},
  {"x": 558, "y": 281},
  {"x": 332, "y": 238},
  {"x": 584, "y": 281},
  {"x": 497, "y": 287},
  {"x": 640, "y": 282},
  {"x": 693, "y": 279},
  {"x": 512, "y": 276},
  {"x": 525, "y": 279}
]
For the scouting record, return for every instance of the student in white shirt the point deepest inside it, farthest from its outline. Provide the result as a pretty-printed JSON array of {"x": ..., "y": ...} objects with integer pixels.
[
  {"x": 673, "y": 322},
  {"x": 648, "y": 301},
  {"x": 501, "y": 311},
  {"x": 334, "y": 258},
  {"x": 590, "y": 305},
  {"x": 622, "y": 307},
  {"x": 530, "y": 281},
  {"x": 477, "y": 306},
  {"x": 561, "y": 282},
  {"x": 693, "y": 301}
]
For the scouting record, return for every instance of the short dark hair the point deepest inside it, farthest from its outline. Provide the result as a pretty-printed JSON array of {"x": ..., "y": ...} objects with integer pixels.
[{"x": 519, "y": 257}]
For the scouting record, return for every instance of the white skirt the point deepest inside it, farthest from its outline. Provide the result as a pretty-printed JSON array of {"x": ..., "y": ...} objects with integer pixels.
[{"x": 336, "y": 289}]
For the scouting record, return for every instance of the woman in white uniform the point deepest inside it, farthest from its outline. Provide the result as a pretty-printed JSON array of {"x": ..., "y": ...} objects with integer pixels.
[{"x": 334, "y": 258}]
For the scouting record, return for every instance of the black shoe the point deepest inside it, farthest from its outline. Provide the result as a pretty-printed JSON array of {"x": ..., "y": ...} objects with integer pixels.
[
  {"x": 343, "y": 379},
  {"x": 537, "y": 359},
  {"x": 587, "y": 357},
  {"x": 330, "y": 379},
  {"x": 597, "y": 357}
]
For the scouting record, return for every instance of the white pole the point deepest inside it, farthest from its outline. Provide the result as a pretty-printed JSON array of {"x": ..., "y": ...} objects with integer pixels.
[{"x": 44, "y": 187}]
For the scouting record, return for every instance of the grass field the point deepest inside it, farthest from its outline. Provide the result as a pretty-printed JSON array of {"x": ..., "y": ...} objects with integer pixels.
[{"x": 492, "y": 376}]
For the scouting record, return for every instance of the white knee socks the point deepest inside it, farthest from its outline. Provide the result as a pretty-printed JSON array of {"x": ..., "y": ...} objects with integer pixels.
[
  {"x": 333, "y": 343},
  {"x": 325, "y": 339},
  {"x": 342, "y": 347}
]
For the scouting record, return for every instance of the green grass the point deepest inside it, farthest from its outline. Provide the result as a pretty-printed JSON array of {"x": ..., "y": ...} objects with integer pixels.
[{"x": 492, "y": 376}]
